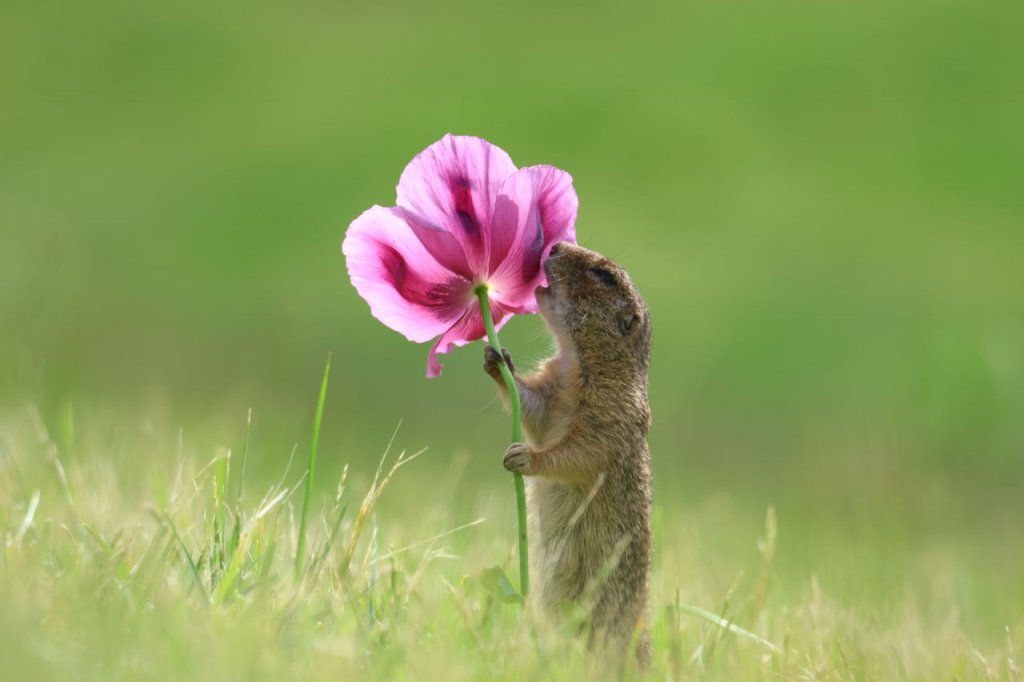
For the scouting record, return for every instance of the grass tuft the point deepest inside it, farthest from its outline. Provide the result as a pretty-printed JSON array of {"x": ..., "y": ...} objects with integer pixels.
[{"x": 398, "y": 586}]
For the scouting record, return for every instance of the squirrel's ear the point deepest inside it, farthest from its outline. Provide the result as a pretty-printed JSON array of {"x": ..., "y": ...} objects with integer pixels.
[{"x": 627, "y": 318}]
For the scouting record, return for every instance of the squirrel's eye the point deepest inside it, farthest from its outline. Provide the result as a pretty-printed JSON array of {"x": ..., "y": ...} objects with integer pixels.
[{"x": 603, "y": 276}]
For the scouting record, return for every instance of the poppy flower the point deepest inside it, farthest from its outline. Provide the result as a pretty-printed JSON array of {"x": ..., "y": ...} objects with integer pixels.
[{"x": 465, "y": 216}]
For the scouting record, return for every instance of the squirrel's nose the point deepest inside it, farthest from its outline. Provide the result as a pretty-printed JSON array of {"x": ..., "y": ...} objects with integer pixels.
[{"x": 556, "y": 248}]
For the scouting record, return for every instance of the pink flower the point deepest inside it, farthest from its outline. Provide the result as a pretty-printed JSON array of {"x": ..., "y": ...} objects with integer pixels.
[{"x": 465, "y": 216}]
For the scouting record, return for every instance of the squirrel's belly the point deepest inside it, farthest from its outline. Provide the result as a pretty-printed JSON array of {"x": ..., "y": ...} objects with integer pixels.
[
  {"x": 569, "y": 542},
  {"x": 554, "y": 541}
]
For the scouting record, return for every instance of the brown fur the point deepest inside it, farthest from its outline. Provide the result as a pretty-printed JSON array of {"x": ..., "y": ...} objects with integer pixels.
[{"x": 586, "y": 415}]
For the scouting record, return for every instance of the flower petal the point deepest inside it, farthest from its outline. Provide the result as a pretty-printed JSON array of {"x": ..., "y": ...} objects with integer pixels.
[
  {"x": 406, "y": 287},
  {"x": 535, "y": 210},
  {"x": 451, "y": 186},
  {"x": 441, "y": 244},
  {"x": 467, "y": 329}
]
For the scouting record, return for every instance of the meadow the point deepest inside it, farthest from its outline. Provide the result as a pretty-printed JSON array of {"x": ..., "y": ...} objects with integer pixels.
[{"x": 821, "y": 206}]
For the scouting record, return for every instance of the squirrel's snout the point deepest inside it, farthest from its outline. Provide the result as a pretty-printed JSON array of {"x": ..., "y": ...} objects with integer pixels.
[{"x": 559, "y": 247}]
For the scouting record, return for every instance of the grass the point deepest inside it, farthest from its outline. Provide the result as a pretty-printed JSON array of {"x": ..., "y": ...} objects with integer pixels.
[
  {"x": 111, "y": 573},
  {"x": 300, "y": 551}
]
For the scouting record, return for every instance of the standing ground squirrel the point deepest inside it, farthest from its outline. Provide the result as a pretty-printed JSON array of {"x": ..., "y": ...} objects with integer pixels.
[{"x": 586, "y": 415}]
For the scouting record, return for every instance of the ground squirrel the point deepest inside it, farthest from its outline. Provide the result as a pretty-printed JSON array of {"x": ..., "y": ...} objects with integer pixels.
[{"x": 586, "y": 416}]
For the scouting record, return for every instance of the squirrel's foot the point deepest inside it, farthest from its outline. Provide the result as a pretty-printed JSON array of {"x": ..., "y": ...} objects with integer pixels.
[
  {"x": 493, "y": 362},
  {"x": 519, "y": 459}
]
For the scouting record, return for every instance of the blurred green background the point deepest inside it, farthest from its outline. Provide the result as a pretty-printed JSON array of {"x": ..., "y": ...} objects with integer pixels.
[{"x": 822, "y": 204}]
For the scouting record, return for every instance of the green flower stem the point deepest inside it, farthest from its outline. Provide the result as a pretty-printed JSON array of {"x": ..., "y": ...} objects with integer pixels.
[{"x": 517, "y": 437}]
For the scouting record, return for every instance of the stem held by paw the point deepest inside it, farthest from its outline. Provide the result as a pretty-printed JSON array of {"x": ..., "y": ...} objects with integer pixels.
[{"x": 513, "y": 395}]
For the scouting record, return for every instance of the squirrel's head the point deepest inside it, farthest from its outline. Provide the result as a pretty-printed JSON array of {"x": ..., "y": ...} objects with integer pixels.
[{"x": 591, "y": 302}]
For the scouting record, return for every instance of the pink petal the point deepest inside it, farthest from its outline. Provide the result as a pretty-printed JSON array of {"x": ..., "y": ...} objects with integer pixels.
[
  {"x": 467, "y": 329},
  {"x": 406, "y": 287},
  {"x": 451, "y": 187},
  {"x": 441, "y": 244},
  {"x": 535, "y": 210}
]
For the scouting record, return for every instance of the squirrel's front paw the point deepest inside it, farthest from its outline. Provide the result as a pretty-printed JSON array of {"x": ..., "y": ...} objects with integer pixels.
[
  {"x": 493, "y": 361},
  {"x": 519, "y": 459}
]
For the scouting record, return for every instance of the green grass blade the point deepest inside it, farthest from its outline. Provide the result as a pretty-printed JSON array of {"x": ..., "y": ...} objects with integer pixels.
[
  {"x": 220, "y": 479},
  {"x": 237, "y": 530},
  {"x": 232, "y": 571},
  {"x": 245, "y": 458},
  {"x": 300, "y": 550},
  {"x": 193, "y": 569}
]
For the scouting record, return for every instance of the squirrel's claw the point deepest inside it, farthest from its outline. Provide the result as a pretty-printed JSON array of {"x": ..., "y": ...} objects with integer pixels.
[
  {"x": 493, "y": 361},
  {"x": 519, "y": 459}
]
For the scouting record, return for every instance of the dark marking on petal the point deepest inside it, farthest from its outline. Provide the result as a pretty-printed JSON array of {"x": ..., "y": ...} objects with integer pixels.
[
  {"x": 442, "y": 292},
  {"x": 462, "y": 198},
  {"x": 538, "y": 238},
  {"x": 441, "y": 298},
  {"x": 533, "y": 252}
]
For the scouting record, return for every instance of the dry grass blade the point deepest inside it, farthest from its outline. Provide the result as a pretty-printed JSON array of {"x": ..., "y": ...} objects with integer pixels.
[
  {"x": 30, "y": 514},
  {"x": 369, "y": 501},
  {"x": 729, "y": 626}
]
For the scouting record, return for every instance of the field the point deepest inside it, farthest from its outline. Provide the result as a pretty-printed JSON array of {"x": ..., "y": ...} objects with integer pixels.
[{"x": 821, "y": 205}]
